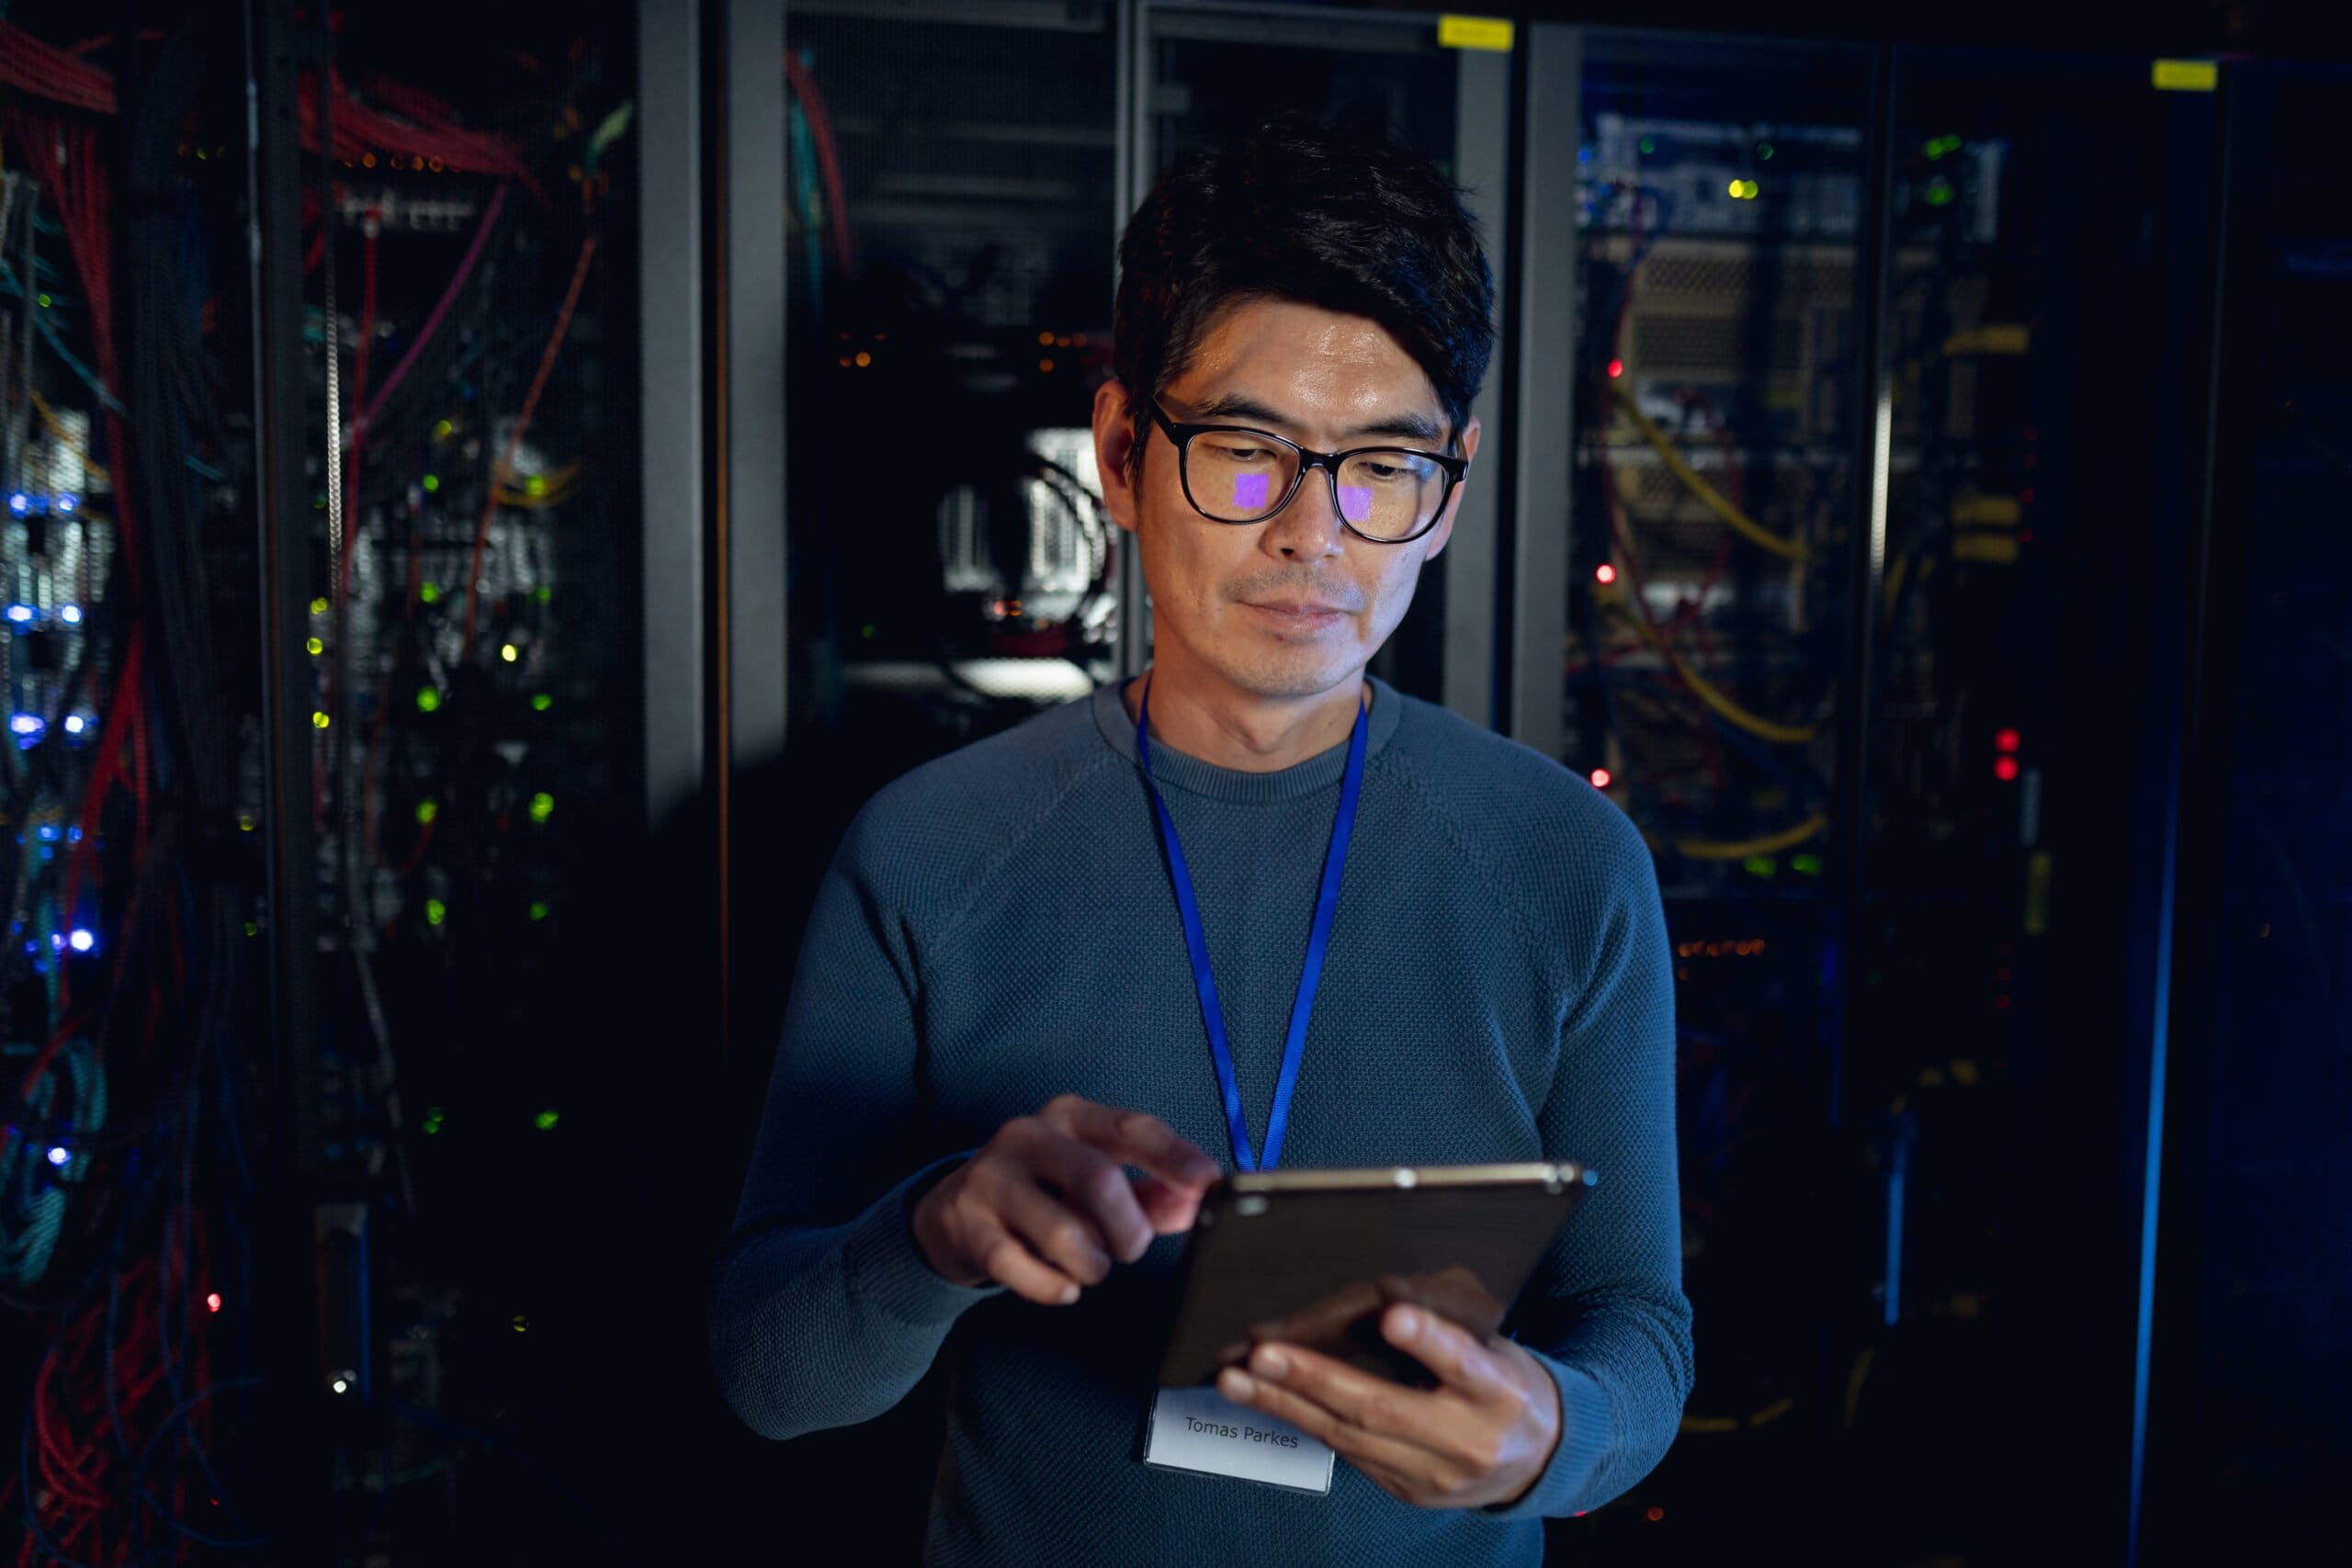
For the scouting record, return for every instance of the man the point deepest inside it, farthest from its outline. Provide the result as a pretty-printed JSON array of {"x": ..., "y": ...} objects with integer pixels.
[{"x": 1079, "y": 947}]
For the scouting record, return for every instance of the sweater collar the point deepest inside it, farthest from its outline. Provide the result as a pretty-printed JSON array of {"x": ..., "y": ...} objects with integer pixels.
[{"x": 1171, "y": 769}]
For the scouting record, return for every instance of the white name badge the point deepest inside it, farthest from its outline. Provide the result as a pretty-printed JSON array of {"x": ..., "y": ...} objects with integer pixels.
[{"x": 1200, "y": 1429}]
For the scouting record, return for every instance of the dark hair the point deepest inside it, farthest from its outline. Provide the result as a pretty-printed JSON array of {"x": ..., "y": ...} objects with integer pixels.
[{"x": 1301, "y": 209}]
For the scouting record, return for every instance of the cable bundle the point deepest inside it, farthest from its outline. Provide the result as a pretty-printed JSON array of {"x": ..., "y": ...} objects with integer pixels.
[{"x": 124, "y": 1189}]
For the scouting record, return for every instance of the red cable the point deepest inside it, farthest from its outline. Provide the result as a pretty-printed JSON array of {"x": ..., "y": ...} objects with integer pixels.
[
  {"x": 820, "y": 132},
  {"x": 514, "y": 441}
]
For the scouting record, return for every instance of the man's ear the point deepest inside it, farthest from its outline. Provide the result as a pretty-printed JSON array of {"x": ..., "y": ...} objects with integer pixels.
[{"x": 1114, "y": 442}]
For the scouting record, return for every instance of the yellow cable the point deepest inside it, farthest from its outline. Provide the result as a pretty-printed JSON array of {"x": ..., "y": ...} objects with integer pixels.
[
  {"x": 1713, "y": 499},
  {"x": 57, "y": 428},
  {"x": 1741, "y": 849},
  {"x": 1763, "y": 728}
]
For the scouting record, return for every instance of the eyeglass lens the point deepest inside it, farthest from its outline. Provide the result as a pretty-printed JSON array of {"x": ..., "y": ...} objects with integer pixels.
[{"x": 1386, "y": 493}]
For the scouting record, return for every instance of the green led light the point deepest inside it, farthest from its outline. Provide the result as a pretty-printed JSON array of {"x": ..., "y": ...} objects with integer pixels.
[
  {"x": 538, "y": 908},
  {"x": 319, "y": 606},
  {"x": 1648, "y": 144},
  {"x": 432, "y": 1121},
  {"x": 315, "y": 646},
  {"x": 866, "y": 631},
  {"x": 522, "y": 1323},
  {"x": 1761, "y": 865},
  {"x": 544, "y": 1120},
  {"x": 426, "y": 810},
  {"x": 541, "y": 702},
  {"x": 542, "y": 807},
  {"x": 441, "y": 430},
  {"x": 428, "y": 699},
  {"x": 1764, "y": 151},
  {"x": 1939, "y": 192},
  {"x": 432, "y": 483},
  {"x": 1805, "y": 865},
  {"x": 435, "y": 911},
  {"x": 542, "y": 594},
  {"x": 252, "y": 929},
  {"x": 428, "y": 592},
  {"x": 44, "y": 302},
  {"x": 536, "y": 485}
]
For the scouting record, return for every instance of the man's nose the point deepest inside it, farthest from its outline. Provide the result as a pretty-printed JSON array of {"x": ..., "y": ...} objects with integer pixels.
[{"x": 1309, "y": 529}]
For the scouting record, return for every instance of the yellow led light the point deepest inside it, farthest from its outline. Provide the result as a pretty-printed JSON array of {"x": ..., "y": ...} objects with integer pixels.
[
  {"x": 510, "y": 653},
  {"x": 315, "y": 646}
]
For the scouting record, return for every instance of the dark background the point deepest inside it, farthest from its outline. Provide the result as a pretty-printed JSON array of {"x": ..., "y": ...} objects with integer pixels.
[{"x": 2009, "y": 1089}]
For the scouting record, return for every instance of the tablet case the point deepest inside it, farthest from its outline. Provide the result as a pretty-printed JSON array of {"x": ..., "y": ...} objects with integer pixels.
[{"x": 1312, "y": 1258}]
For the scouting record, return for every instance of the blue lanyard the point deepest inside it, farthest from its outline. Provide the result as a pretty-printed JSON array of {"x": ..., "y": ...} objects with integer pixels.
[{"x": 1319, "y": 937}]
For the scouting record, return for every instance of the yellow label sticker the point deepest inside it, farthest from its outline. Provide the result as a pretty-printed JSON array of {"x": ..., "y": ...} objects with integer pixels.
[
  {"x": 1987, "y": 511},
  {"x": 2187, "y": 75},
  {"x": 2037, "y": 893},
  {"x": 1475, "y": 32},
  {"x": 1988, "y": 549}
]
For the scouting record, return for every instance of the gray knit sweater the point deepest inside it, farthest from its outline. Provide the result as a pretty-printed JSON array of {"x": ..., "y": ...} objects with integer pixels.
[{"x": 998, "y": 928}]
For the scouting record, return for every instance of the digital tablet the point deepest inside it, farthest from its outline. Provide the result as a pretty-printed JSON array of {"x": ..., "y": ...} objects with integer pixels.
[{"x": 1311, "y": 1258}]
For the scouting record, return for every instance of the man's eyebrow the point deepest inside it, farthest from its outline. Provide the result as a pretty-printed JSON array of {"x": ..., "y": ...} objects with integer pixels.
[{"x": 1228, "y": 406}]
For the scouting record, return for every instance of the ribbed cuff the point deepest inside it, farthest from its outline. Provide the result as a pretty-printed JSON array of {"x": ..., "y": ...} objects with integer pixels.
[
  {"x": 883, "y": 1267},
  {"x": 1587, "y": 1427}
]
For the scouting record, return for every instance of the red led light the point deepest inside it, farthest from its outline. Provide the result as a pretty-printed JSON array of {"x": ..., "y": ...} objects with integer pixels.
[
  {"x": 212, "y": 1302},
  {"x": 2005, "y": 740},
  {"x": 1604, "y": 572},
  {"x": 2005, "y": 769},
  {"x": 1616, "y": 369},
  {"x": 1600, "y": 778}
]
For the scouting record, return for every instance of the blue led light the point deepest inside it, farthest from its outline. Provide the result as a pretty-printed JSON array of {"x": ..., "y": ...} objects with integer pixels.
[
  {"x": 65, "y": 504},
  {"x": 20, "y": 504},
  {"x": 69, "y": 613},
  {"x": 74, "y": 725},
  {"x": 28, "y": 727},
  {"x": 49, "y": 831},
  {"x": 56, "y": 942},
  {"x": 60, "y": 1155},
  {"x": 72, "y": 835},
  {"x": 21, "y": 613},
  {"x": 83, "y": 942}
]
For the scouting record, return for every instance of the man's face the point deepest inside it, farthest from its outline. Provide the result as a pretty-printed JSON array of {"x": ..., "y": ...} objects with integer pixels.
[{"x": 1295, "y": 605}]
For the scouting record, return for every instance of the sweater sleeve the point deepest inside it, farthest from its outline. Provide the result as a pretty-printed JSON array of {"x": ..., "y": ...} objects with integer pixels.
[
  {"x": 1605, "y": 1312},
  {"x": 823, "y": 1312}
]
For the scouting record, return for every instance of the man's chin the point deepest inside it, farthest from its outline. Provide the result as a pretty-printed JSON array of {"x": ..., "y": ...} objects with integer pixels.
[{"x": 1281, "y": 680}]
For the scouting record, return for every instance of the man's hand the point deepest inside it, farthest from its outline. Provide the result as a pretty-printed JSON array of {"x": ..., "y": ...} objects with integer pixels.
[
  {"x": 1481, "y": 1437},
  {"x": 1045, "y": 1207}
]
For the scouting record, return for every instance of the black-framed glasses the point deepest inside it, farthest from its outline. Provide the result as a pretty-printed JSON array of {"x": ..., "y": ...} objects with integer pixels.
[{"x": 1231, "y": 473}]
